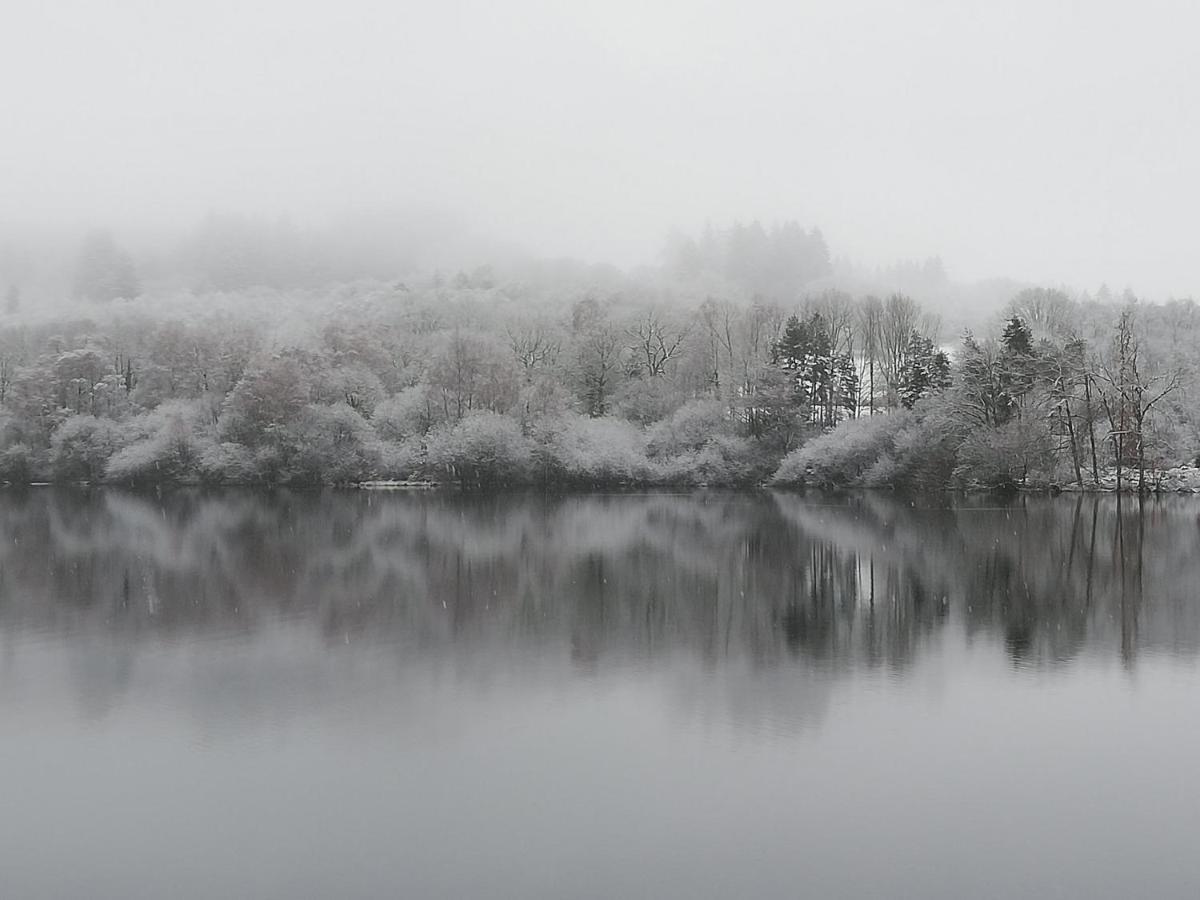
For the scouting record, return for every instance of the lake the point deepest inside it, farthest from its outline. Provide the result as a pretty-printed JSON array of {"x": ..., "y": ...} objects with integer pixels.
[{"x": 359, "y": 694}]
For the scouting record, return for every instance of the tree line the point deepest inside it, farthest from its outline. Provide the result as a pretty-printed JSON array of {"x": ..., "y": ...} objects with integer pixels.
[
  {"x": 484, "y": 384},
  {"x": 1067, "y": 393}
]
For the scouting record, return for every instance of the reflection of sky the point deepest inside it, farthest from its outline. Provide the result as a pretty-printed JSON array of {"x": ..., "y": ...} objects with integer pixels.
[
  {"x": 245, "y": 689},
  {"x": 284, "y": 766}
]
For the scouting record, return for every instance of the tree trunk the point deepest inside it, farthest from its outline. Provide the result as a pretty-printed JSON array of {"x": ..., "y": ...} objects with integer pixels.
[
  {"x": 1087, "y": 393},
  {"x": 1074, "y": 443},
  {"x": 872, "y": 398}
]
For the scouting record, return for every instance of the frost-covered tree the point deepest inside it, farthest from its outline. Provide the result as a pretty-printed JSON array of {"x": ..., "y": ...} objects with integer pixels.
[
  {"x": 926, "y": 371},
  {"x": 81, "y": 447}
]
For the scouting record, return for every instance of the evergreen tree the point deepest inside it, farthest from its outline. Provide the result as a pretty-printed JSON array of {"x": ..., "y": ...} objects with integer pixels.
[
  {"x": 805, "y": 352},
  {"x": 848, "y": 385},
  {"x": 792, "y": 346},
  {"x": 1017, "y": 339},
  {"x": 1018, "y": 361},
  {"x": 926, "y": 370}
]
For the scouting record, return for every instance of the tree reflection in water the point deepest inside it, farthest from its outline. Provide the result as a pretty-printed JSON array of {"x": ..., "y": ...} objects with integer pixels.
[
  {"x": 839, "y": 581},
  {"x": 708, "y": 694}
]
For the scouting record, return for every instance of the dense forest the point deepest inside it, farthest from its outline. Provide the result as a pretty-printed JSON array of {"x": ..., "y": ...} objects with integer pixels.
[{"x": 737, "y": 361}]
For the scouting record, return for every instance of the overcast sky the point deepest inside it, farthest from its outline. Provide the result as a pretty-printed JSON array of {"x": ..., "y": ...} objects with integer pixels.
[{"x": 1049, "y": 141}]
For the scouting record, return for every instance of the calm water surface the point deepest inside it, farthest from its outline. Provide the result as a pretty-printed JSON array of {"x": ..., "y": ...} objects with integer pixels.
[{"x": 354, "y": 695}]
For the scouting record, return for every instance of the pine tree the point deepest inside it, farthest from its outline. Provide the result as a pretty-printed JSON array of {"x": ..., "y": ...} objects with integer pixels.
[
  {"x": 847, "y": 385},
  {"x": 1017, "y": 338},
  {"x": 1018, "y": 362},
  {"x": 926, "y": 370}
]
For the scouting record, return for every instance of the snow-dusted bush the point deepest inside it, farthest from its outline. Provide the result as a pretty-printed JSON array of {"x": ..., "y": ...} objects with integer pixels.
[
  {"x": 354, "y": 385},
  {"x": 482, "y": 449},
  {"x": 400, "y": 459},
  {"x": 1011, "y": 455},
  {"x": 403, "y": 415},
  {"x": 227, "y": 463},
  {"x": 82, "y": 445},
  {"x": 689, "y": 428},
  {"x": 923, "y": 452},
  {"x": 543, "y": 399},
  {"x": 331, "y": 444},
  {"x": 270, "y": 396},
  {"x": 579, "y": 448},
  {"x": 845, "y": 454},
  {"x": 723, "y": 459},
  {"x": 166, "y": 444},
  {"x": 17, "y": 464},
  {"x": 645, "y": 400}
]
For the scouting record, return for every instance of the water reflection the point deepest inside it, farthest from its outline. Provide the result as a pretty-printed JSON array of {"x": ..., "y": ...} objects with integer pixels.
[
  {"x": 851, "y": 581},
  {"x": 703, "y": 695},
  {"x": 729, "y": 582}
]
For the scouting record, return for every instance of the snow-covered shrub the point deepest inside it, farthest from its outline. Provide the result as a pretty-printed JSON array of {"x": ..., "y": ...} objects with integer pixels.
[
  {"x": 82, "y": 445},
  {"x": 583, "y": 449},
  {"x": 845, "y": 454},
  {"x": 482, "y": 449}
]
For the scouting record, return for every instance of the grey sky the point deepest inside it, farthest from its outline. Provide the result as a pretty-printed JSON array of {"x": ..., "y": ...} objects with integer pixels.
[{"x": 1052, "y": 141}]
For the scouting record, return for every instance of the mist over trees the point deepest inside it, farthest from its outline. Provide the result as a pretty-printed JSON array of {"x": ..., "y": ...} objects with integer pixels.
[
  {"x": 781, "y": 259},
  {"x": 252, "y": 352},
  {"x": 103, "y": 271}
]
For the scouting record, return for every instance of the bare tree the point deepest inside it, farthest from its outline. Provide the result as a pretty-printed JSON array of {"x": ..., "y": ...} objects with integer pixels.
[
  {"x": 597, "y": 362},
  {"x": 718, "y": 320},
  {"x": 870, "y": 324},
  {"x": 655, "y": 343},
  {"x": 899, "y": 318},
  {"x": 1129, "y": 394},
  {"x": 533, "y": 347},
  {"x": 472, "y": 372}
]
